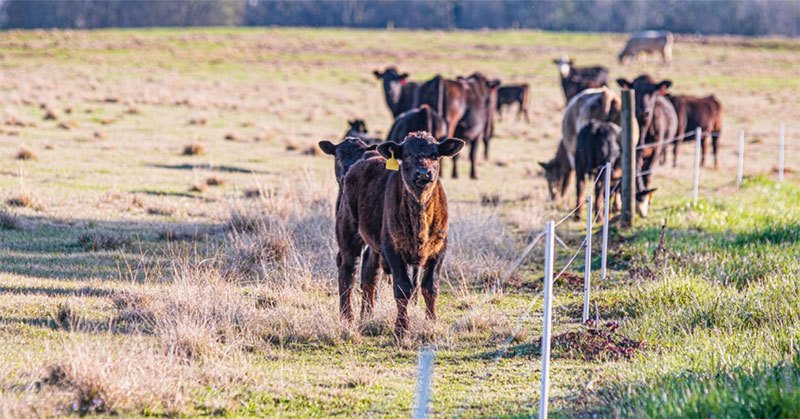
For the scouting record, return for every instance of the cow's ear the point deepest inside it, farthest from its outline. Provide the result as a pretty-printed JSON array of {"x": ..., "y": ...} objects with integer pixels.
[
  {"x": 378, "y": 74},
  {"x": 663, "y": 86},
  {"x": 372, "y": 147},
  {"x": 543, "y": 164},
  {"x": 390, "y": 148},
  {"x": 624, "y": 84},
  {"x": 450, "y": 147},
  {"x": 556, "y": 61},
  {"x": 351, "y": 122},
  {"x": 403, "y": 76},
  {"x": 570, "y": 62},
  {"x": 494, "y": 83},
  {"x": 327, "y": 147}
]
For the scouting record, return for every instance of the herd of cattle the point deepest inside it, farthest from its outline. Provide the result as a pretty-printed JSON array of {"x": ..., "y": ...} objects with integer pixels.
[{"x": 394, "y": 218}]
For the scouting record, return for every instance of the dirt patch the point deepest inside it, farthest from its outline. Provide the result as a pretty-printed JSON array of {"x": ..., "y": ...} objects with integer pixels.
[{"x": 593, "y": 342}]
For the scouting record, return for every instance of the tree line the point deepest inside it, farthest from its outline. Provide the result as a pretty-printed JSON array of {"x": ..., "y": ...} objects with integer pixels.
[{"x": 738, "y": 17}]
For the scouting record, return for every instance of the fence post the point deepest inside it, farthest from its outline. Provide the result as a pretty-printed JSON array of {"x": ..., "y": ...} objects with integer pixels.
[
  {"x": 780, "y": 152},
  {"x": 698, "y": 133},
  {"x": 607, "y": 200},
  {"x": 741, "y": 160},
  {"x": 587, "y": 263},
  {"x": 423, "y": 384},
  {"x": 548, "y": 297},
  {"x": 629, "y": 127}
]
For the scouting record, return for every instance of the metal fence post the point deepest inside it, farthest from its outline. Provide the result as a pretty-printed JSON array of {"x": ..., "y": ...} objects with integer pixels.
[
  {"x": 587, "y": 263},
  {"x": 698, "y": 133},
  {"x": 548, "y": 297},
  {"x": 629, "y": 127},
  {"x": 423, "y": 384},
  {"x": 781, "y": 138},
  {"x": 607, "y": 200},
  {"x": 740, "y": 170}
]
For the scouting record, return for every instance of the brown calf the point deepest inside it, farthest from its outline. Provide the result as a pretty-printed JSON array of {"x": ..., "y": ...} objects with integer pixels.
[
  {"x": 697, "y": 112},
  {"x": 401, "y": 214}
]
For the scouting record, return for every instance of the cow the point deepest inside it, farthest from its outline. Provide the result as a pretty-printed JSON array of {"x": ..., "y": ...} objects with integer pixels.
[
  {"x": 418, "y": 119},
  {"x": 467, "y": 105},
  {"x": 514, "y": 93},
  {"x": 345, "y": 155},
  {"x": 358, "y": 129},
  {"x": 696, "y": 112},
  {"x": 399, "y": 92},
  {"x": 649, "y": 42},
  {"x": 577, "y": 79},
  {"x": 598, "y": 143},
  {"x": 600, "y": 103},
  {"x": 657, "y": 122},
  {"x": 402, "y": 216}
]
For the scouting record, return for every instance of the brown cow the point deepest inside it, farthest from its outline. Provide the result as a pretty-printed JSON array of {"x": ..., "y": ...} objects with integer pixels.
[
  {"x": 514, "y": 93},
  {"x": 577, "y": 79},
  {"x": 657, "y": 122},
  {"x": 418, "y": 119},
  {"x": 696, "y": 112},
  {"x": 404, "y": 215},
  {"x": 399, "y": 92}
]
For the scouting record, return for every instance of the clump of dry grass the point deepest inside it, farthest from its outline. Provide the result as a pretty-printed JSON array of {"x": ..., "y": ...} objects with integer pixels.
[
  {"x": 252, "y": 193},
  {"x": 25, "y": 153},
  {"x": 182, "y": 232},
  {"x": 198, "y": 121},
  {"x": 9, "y": 221},
  {"x": 99, "y": 135},
  {"x": 161, "y": 210},
  {"x": 24, "y": 200},
  {"x": 215, "y": 181},
  {"x": 98, "y": 241},
  {"x": 51, "y": 114},
  {"x": 198, "y": 187},
  {"x": 194, "y": 149},
  {"x": 231, "y": 136},
  {"x": 68, "y": 125}
]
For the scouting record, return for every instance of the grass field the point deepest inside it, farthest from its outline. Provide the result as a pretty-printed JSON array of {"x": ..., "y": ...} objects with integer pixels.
[{"x": 166, "y": 235}]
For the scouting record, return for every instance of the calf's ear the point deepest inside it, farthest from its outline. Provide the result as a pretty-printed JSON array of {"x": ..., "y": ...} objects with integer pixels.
[
  {"x": 663, "y": 86},
  {"x": 327, "y": 147},
  {"x": 494, "y": 83},
  {"x": 378, "y": 74},
  {"x": 372, "y": 147},
  {"x": 387, "y": 148},
  {"x": 624, "y": 84},
  {"x": 403, "y": 76},
  {"x": 450, "y": 147}
]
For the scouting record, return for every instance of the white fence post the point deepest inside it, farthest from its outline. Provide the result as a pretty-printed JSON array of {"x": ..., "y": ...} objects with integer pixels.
[
  {"x": 607, "y": 203},
  {"x": 548, "y": 297},
  {"x": 587, "y": 264},
  {"x": 423, "y": 384},
  {"x": 780, "y": 152},
  {"x": 698, "y": 133},
  {"x": 740, "y": 171}
]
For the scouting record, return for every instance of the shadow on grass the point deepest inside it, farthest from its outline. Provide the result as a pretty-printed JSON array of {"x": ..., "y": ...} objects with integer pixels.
[
  {"x": 210, "y": 167},
  {"x": 94, "y": 249}
]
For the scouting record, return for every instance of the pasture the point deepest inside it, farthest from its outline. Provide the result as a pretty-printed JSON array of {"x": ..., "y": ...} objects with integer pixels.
[{"x": 167, "y": 246}]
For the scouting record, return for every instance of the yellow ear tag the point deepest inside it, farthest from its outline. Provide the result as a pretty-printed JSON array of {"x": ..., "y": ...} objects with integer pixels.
[{"x": 392, "y": 164}]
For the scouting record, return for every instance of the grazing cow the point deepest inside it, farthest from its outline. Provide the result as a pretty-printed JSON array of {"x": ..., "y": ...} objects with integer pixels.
[
  {"x": 401, "y": 214},
  {"x": 657, "y": 122},
  {"x": 358, "y": 129},
  {"x": 649, "y": 42},
  {"x": 602, "y": 104},
  {"x": 467, "y": 106},
  {"x": 598, "y": 144},
  {"x": 695, "y": 112},
  {"x": 514, "y": 93},
  {"x": 577, "y": 79},
  {"x": 399, "y": 92},
  {"x": 418, "y": 119}
]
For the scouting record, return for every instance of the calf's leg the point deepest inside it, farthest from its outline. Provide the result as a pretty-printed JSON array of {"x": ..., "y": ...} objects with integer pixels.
[
  {"x": 369, "y": 278},
  {"x": 402, "y": 287},
  {"x": 430, "y": 286}
]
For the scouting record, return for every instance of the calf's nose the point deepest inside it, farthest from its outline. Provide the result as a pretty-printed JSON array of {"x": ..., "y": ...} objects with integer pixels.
[{"x": 423, "y": 173}]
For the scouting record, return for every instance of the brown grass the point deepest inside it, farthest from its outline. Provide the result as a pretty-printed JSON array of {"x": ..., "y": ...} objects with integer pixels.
[
  {"x": 68, "y": 125},
  {"x": 25, "y": 153},
  {"x": 9, "y": 221},
  {"x": 96, "y": 241},
  {"x": 194, "y": 149},
  {"x": 231, "y": 136},
  {"x": 198, "y": 187},
  {"x": 215, "y": 181},
  {"x": 24, "y": 200},
  {"x": 161, "y": 210}
]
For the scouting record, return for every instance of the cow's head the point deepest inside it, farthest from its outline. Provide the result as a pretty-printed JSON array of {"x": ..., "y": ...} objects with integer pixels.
[
  {"x": 357, "y": 126},
  {"x": 647, "y": 91},
  {"x": 564, "y": 65},
  {"x": 643, "y": 199},
  {"x": 346, "y": 154},
  {"x": 393, "y": 82},
  {"x": 421, "y": 156},
  {"x": 557, "y": 176}
]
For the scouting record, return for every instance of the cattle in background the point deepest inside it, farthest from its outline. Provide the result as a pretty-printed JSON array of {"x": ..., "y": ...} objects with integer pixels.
[
  {"x": 649, "y": 42},
  {"x": 696, "y": 112},
  {"x": 467, "y": 106},
  {"x": 402, "y": 216},
  {"x": 514, "y": 93},
  {"x": 358, "y": 129},
  {"x": 602, "y": 104},
  {"x": 598, "y": 144},
  {"x": 577, "y": 79},
  {"x": 418, "y": 119},
  {"x": 399, "y": 92},
  {"x": 345, "y": 155},
  {"x": 657, "y": 122}
]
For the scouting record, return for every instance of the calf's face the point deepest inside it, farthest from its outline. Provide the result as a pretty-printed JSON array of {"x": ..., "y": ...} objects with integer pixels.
[
  {"x": 392, "y": 81},
  {"x": 346, "y": 154},
  {"x": 646, "y": 93},
  {"x": 421, "y": 157}
]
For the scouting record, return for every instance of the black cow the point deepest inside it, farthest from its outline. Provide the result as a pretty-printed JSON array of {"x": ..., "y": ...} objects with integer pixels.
[
  {"x": 399, "y": 92},
  {"x": 418, "y": 119},
  {"x": 514, "y": 93},
  {"x": 577, "y": 79},
  {"x": 598, "y": 144},
  {"x": 358, "y": 129}
]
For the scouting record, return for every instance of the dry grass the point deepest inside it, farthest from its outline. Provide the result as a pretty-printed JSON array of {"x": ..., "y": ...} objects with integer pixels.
[
  {"x": 215, "y": 181},
  {"x": 198, "y": 187},
  {"x": 97, "y": 241},
  {"x": 9, "y": 221},
  {"x": 194, "y": 149},
  {"x": 25, "y": 200},
  {"x": 162, "y": 210},
  {"x": 25, "y": 153}
]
